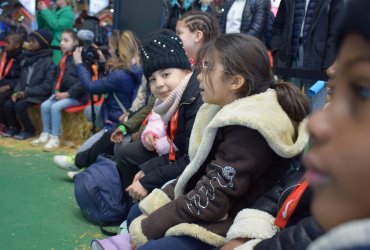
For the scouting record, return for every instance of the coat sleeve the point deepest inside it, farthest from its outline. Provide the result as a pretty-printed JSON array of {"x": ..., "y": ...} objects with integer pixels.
[
  {"x": 46, "y": 86},
  {"x": 104, "y": 85},
  {"x": 76, "y": 90},
  {"x": 294, "y": 237},
  {"x": 227, "y": 177},
  {"x": 133, "y": 124},
  {"x": 57, "y": 22},
  {"x": 259, "y": 19},
  {"x": 278, "y": 27},
  {"x": 336, "y": 13},
  {"x": 155, "y": 127}
]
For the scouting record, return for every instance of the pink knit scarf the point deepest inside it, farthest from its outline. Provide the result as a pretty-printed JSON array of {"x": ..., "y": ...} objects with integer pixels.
[{"x": 167, "y": 108}]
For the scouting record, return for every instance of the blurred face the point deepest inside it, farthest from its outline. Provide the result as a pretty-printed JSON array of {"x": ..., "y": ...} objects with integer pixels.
[
  {"x": 163, "y": 82},
  {"x": 339, "y": 161},
  {"x": 215, "y": 87},
  {"x": 189, "y": 39},
  {"x": 331, "y": 72},
  {"x": 34, "y": 44},
  {"x": 11, "y": 44},
  {"x": 60, "y": 3},
  {"x": 67, "y": 43}
]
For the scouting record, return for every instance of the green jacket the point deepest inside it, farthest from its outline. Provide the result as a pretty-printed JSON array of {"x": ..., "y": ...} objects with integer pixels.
[
  {"x": 56, "y": 21},
  {"x": 134, "y": 123}
]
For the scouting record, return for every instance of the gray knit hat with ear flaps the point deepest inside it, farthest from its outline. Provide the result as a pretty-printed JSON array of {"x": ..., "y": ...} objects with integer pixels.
[{"x": 163, "y": 49}]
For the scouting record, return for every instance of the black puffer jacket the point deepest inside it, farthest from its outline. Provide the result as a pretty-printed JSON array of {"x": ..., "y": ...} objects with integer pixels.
[
  {"x": 319, "y": 47},
  {"x": 71, "y": 83},
  {"x": 159, "y": 170},
  {"x": 36, "y": 76},
  {"x": 254, "y": 19}
]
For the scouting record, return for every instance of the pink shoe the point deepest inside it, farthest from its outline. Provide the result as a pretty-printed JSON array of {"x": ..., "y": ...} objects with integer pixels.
[{"x": 118, "y": 242}]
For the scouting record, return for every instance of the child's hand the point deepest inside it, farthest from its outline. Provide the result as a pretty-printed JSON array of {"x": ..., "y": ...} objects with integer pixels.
[
  {"x": 137, "y": 191},
  {"x": 133, "y": 244},
  {"x": 61, "y": 95},
  {"x": 20, "y": 95},
  {"x": 77, "y": 55},
  {"x": 150, "y": 142},
  {"x": 139, "y": 175},
  {"x": 116, "y": 136},
  {"x": 41, "y": 5},
  {"x": 4, "y": 88},
  {"x": 100, "y": 54},
  {"x": 14, "y": 97}
]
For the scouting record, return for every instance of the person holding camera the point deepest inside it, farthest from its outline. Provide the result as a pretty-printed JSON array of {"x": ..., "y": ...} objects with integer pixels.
[{"x": 122, "y": 80}]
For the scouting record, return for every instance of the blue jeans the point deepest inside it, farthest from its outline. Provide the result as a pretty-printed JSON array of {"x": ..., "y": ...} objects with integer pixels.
[
  {"x": 51, "y": 113},
  {"x": 168, "y": 242}
]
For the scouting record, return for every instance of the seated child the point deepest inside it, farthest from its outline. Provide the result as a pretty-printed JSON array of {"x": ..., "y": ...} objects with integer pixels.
[
  {"x": 10, "y": 69},
  {"x": 34, "y": 85},
  {"x": 242, "y": 141},
  {"x": 68, "y": 92}
]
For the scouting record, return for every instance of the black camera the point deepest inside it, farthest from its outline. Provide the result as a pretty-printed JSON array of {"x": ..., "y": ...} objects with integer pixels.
[{"x": 89, "y": 53}]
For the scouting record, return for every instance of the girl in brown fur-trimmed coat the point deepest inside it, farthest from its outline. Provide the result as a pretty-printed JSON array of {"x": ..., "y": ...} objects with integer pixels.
[{"x": 241, "y": 143}]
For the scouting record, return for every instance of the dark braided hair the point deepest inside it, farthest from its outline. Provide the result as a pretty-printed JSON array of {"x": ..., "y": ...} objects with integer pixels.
[{"x": 203, "y": 21}]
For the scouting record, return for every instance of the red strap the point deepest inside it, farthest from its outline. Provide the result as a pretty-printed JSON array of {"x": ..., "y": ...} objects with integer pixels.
[
  {"x": 62, "y": 67},
  {"x": 290, "y": 204},
  {"x": 145, "y": 122},
  {"x": 7, "y": 68},
  {"x": 171, "y": 135}
]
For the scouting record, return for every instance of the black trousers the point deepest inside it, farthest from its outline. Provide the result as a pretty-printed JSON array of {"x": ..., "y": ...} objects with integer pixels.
[
  {"x": 3, "y": 98},
  {"x": 16, "y": 115},
  {"x": 128, "y": 155},
  {"x": 103, "y": 146}
]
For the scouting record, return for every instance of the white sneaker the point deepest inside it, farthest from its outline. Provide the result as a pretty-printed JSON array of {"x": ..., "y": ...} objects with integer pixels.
[
  {"x": 65, "y": 162},
  {"x": 53, "y": 143},
  {"x": 71, "y": 174},
  {"x": 43, "y": 138}
]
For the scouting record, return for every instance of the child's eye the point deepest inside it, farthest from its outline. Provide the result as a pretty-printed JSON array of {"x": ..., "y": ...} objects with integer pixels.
[
  {"x": 165, "y": 74},
  {"x": 151, "y": 80},
  {"x": 362, "y": 92}
]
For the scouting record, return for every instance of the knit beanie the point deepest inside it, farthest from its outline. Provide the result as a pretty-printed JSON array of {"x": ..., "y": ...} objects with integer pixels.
[
  {"x": 163, "y": 49},
  {"x": 356, "y": 20},
  {"x": 43, "y": 36}
]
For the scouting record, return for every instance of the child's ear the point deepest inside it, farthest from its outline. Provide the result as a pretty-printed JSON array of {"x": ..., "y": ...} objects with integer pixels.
[
  {"x": 17, "y": 45},
  {"x": 237, "y": 83},
  {"x": 198, "y": 36}
]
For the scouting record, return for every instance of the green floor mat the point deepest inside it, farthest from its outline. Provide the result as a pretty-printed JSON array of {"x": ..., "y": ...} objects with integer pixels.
[{"x": 37, "y": 205}]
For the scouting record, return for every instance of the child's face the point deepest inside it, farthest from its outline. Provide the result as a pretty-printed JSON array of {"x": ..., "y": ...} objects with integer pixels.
[
  {"x": 188, "y": 38},
  {"x": 214, "y": 86},
  {"x": 60, "y": 3},
  {"x": 331, "y": 72},
  {"x": 67, "y": 43},
  {"x": 11, "y": 44},
  {"x": 34, "y": 44},
  {"x": 162, "y": 82},
  {"x": 339, "y": 160}
]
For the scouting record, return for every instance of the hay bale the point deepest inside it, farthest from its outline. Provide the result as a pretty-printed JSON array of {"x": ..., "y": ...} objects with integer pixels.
[{"x": 75, "y": 127}]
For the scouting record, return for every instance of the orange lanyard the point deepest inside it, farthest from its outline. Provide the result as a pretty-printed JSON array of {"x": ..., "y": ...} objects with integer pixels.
[
  {"x": 171, "y": 135},
  {"x": 290, "y": 204},
  {"x": 62, "y": 67},
  {"x": 7, "y": 68},
  {"x": 145, "y": 122}
]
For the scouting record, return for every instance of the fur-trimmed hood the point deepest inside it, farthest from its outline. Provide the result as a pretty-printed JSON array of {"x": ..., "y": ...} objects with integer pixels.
[{"x": 261, "y": 112}]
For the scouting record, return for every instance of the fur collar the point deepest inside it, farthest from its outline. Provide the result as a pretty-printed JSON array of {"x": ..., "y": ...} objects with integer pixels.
[{"x": 261, "y": 112}]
